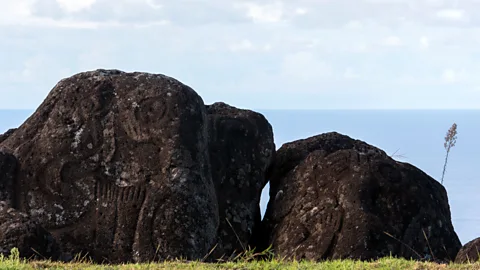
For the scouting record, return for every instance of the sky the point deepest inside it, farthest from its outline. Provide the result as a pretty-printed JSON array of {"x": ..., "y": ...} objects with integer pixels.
[{"x": 259, "y": 54}]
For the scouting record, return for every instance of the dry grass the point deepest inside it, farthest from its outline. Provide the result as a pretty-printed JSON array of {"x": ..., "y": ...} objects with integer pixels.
[{"x": 450, "y": 141}]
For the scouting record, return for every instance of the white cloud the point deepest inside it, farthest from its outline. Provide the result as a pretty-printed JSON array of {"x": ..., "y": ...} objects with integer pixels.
[
  {"x": 305, "y": 66},
  {"x": 359, "y": 47},
  {"x": 153, "y": 4},
  {"x": 38, "y": 69},
  {"x": 424, "y": 43},
  {"x": 450, "y": 75},
  {"x": 75, "y": 5},
  {"x": 350, "y": 74},
  {"x": 30, "y": 69},
  {"x": 32, "y": 66},
  {"x": 301, "y": 11},
  {"x": 270, "y": 13},
  {"x": 13, "y": 11},
  {"x": 25, "y": 13},
  {"x": 244, "y": 45},
  {"x": 276, "y": 45},
  {"x": 451, "y": 14},
  {"x": 69, "y": 23},
  {"x": 354, "y": 25},
  {"x": 392, "y": 41}
]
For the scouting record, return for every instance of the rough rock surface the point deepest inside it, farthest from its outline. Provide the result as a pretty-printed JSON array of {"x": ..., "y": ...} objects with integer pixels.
[
  {"x": 335, "y": 197},
  {"x": 241, "y": 150},
  {"x": 469, "y": 252},
  {"x": 17, "y": 230},
  {"x": 8, "y": 171},
  {"x": 7, "y": 134},
  {"x": 115, "y": 165}
]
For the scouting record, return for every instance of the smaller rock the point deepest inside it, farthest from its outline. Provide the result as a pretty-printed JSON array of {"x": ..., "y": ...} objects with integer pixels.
[
  {"x": 334, "y": 197},
  {"x": 469, "y": 252},
  {"x": 241, "y": 150},
  {"x": 31, "y": 240}
]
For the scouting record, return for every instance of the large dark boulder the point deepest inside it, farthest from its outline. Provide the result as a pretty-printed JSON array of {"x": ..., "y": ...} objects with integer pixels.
[
  {"x": 241, "y": 150},
  {"x": 115, "y": 165},
  {"x": 335, "y": 197},
  {"x": 470, "y": 252}
]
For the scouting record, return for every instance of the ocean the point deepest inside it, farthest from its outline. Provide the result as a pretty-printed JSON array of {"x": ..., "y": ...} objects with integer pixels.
[{"x": 415, "y": 136}]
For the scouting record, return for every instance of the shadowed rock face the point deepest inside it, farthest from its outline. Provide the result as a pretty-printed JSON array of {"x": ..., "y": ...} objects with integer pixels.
[
  {"x": 334, "y": 197},
  {"x": 241, "y": 150},
  {"x": 8, "y": 171},
  {"x": 17, "y": 230},
  {"x": 115, "y": 165},
  {"x": 469, "y": 252}
]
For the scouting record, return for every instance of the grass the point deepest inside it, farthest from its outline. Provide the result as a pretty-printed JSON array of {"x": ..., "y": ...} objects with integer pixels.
[
  {"x": 386, "y": 263},
  {"x": 248, "y": 262}
]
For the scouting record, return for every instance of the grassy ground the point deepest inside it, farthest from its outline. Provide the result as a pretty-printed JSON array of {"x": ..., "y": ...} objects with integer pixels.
[
  {"x": 387, "y": 263},
  {"x": 244, "y": 261}
]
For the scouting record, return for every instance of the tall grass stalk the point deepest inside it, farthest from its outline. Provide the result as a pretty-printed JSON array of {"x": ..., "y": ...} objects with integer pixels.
[{"x": 450, "y": 141}]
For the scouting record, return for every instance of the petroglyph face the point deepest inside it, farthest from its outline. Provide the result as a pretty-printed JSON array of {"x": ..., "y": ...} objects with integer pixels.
[
  {"x": 148, "y": 117},
  {"x": 116, "y": 133}
]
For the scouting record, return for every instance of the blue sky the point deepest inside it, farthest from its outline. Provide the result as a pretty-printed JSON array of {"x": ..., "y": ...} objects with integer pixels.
[{"x": 261, "y": 54}]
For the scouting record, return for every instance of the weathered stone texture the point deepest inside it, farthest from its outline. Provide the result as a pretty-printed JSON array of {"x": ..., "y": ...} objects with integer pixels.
[
  {"x": 241, "y": 150},
  {"x": 334, "y": 197},
  {"x": 115, "y": 165},
  {"x": 470, "y": 252}
]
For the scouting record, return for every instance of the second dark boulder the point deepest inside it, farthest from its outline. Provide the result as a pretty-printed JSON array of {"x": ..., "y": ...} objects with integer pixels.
[
  {"x": 334, "y": 197},
  {"x": 470, "y": 252},
  {"x": 241, "y": 150}
]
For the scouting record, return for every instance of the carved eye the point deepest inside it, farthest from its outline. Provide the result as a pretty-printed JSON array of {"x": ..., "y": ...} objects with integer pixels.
[
  {"x": 151, "y": 110},
  {"x": 148, "y": 117}
]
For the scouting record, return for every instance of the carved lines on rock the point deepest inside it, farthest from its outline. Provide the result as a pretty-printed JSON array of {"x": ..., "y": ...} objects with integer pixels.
[
  {"x": 117, "y": 215},
  {"x": 339, "y": 162}
]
